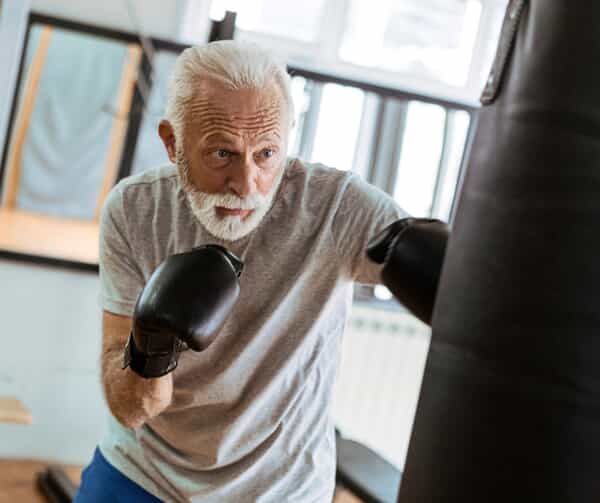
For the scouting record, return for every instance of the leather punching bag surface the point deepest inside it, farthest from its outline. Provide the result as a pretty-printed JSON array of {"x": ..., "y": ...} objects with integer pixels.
[{"x": 509, "y": 409}]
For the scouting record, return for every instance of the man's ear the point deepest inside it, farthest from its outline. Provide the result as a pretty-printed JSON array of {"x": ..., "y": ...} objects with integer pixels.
[{"x": 167, "y": 135}]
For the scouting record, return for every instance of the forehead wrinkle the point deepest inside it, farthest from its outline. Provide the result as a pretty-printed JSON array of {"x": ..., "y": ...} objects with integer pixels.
[
  {"x": 250, "y": 131},
  {"x": 263, "y": 109},
  {"x": 235, "y": 127},
  {"x": 250, "y": 121},
  {"x": 256, "y": 133},
  {"x": 256, "y": 125},
  {"x": 243, "y": 122},
  {"x": 212, "y": 124},
  {"x": 209, "y": 116},
  {"x": 267, "y": 111},
  {"x": 214, "y": 106}
]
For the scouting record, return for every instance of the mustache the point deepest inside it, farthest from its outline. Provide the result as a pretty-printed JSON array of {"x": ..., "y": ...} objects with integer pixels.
[{"x": 232, "y": 201}]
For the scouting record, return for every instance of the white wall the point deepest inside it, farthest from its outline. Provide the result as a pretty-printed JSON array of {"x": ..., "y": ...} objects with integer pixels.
[{"x": 50, "y": 333}]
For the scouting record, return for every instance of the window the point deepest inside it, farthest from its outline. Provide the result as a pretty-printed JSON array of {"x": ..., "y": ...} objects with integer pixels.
[
  {"x": 432, "y": 149},
  {"x": 150, "y": 151},
  {"x": 328, "y": 122},
  {"x": 338, "y": 125},
  {"x": 457, "y": 129},
  {"x": 420, "y": 158},
  {"x": 442, "y": 48},
  {"x": 62, "y": 144},
  {"x": 495, "y": 16},
  {"x": 428, "y": 38},
  {"x": 296, "y": 20},
  {"x": 411, "y": 148},
  {"x": 301, "y": 97},
  {"x": 65, "y": 143}
]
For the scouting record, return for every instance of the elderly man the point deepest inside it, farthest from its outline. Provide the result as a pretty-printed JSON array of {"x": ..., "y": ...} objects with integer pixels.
[{"x": 245, "y": 417}]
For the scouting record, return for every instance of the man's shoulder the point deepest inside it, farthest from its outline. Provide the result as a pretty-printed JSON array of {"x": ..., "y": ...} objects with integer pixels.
[
  {"x": 301, "y": 167},
  {"x": 161, "y": 175},
  {"x": 316, "y": 176},
  {"x": 152, "y": 182}
]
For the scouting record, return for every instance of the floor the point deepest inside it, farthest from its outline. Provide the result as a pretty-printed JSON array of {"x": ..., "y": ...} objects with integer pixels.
[{"x": 17, "y": 482}]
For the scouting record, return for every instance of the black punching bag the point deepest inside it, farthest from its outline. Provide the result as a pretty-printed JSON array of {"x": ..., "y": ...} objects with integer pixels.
[{"x": 509, "y": 409}]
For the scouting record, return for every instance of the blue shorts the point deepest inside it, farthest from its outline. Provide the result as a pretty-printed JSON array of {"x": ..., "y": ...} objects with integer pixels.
[{"x": 101, "y": 482}]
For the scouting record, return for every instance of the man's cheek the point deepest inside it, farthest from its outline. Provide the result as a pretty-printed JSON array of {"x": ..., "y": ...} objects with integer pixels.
[{"x": 211, "y": 181}]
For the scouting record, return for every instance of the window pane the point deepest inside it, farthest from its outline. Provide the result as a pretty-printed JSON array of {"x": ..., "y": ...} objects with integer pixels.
[
  {"x": 65, "y": 146},
  {"x": 420, "y": 158},
  {"x": 301, "y": 98},
  {"x": 458, "y": 125},
  {"x": 296, "y": 20},
  {"x": 493, "y": 36},
  {"x": 427, "y": 38},
  {"x": 150, "y": 151},
  {"x": 337, "y": 130}
]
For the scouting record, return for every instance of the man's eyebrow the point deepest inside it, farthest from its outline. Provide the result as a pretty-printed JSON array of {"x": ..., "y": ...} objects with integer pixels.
[
  {"x": 219, "y": 136},
  {"x": 230, "y": 138},
  {"x": 268, "y": 134}
]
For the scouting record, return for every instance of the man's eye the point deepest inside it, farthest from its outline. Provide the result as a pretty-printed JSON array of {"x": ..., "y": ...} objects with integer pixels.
[
  {"x": 268, "y": 152},
  {"x": 222, "y": 154}
]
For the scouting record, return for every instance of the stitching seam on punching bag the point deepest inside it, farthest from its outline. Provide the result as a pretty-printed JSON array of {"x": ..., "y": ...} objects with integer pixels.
[{"x": 507, "y": 38}]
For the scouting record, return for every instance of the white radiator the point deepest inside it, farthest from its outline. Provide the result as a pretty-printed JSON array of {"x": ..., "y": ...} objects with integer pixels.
[{"x": 377, "y": 387}]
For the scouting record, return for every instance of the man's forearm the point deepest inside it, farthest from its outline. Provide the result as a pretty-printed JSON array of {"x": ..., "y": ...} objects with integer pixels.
[{"x": 133, "y": 399}]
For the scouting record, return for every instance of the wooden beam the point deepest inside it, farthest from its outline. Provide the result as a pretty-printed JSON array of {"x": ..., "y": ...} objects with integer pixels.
[
  {"x": 30, "y": 89},
  {"x": 47, "y": 236},
  {"x": 13, "y": 411},
  {"x": 18, "y": 479},
  {"x": 119, "y": 127}
]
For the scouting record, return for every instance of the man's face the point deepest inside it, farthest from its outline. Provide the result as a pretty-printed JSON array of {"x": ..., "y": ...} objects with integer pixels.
[{"x": 232, "y": 155}]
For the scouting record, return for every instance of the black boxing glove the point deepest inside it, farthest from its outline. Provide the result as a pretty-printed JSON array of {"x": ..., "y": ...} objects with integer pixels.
[
  {"x": 183, "y": 305},
  {"x": 412, "y": 251}
]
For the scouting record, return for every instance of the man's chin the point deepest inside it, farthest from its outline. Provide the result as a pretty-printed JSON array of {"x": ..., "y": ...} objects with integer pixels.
[{"x": 230, "y": 227}]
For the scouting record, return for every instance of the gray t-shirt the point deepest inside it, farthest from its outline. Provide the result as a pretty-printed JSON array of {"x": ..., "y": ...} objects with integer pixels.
[{"x": 250, "y": 419}]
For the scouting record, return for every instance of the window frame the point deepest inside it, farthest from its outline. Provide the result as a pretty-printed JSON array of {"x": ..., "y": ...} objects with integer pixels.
[
  {"x": 384, "y": 122},
  {"x": 143, "y": 84}
]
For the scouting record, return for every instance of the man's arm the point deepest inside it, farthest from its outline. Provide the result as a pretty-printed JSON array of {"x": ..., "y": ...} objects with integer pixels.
[
  {"x": 363, "y": 212},
  {"x": 132, "y": 399}
]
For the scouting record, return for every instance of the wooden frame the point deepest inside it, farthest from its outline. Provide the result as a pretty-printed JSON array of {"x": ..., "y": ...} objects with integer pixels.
[
  {"x": 119, "y": 128},
  {"x": 28, "y": 236},
  {"x": 15, "y": 155},
  {"x": 64, "y": 241}
]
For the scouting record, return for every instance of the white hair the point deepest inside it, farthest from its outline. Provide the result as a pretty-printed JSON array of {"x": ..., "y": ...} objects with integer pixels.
[{"x": 236, "y": 64}]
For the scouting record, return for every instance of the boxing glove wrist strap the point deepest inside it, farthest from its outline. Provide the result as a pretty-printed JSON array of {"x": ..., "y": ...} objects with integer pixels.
[{"x": 145, "y": 365}]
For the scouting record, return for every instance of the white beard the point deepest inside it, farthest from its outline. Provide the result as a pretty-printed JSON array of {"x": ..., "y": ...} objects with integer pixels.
[{"x": 229, "y": 227}]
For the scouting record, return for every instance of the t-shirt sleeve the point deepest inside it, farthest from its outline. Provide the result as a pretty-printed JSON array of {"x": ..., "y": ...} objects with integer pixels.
[
  {"x": 364, "y": 210},
  {"x": 121, "y": 278}
]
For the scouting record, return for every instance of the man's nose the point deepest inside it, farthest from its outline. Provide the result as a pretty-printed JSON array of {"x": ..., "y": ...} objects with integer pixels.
[{"x": 243, "y": 178}]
